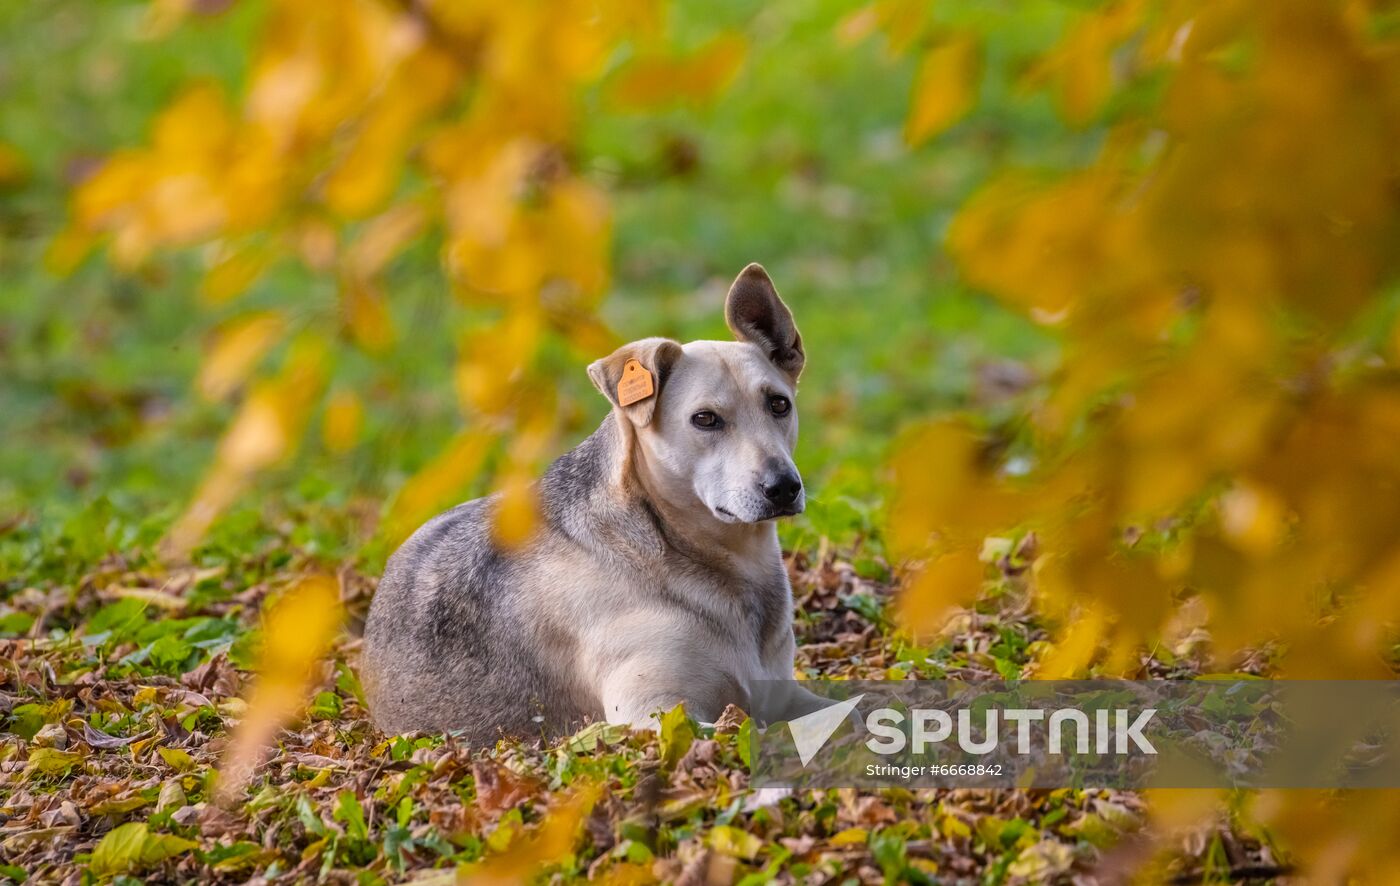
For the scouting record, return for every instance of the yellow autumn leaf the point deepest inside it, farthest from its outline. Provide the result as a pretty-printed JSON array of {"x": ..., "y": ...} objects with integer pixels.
[
  {"x": 515, "y": 267},
  {"x": 946, "y": 492},
  {"x": 232, "y": 274},
  {"x": 1042, "y": 862},
  {"x": 345, "y": 415},
  {"x": 103, "y": 197},
  {"x": 266, "y": 429},
  {"x": 858, "y": 25},
  {"x": 732, "y": 841},
  {"x": 1253, "y": 517},
  {"x": 954, "y": 579},
  {"x": 440, "y": 483},
  {"x": 517, "y": 510},
  {"x": 1044, "y": 247},
  {"x": 297, "y": 632},
  {"x": 163, "y": 16},
  {"x": 651, "y": 81},
  {"x": 1084, "y": 63},
  {"x": 493, "y": 363},
  {"x": 366, "y": 313},
  {"x": 945, "y": 87},
  {"x": 67, "y": 250},
  {"x": 269, "y": 424},
  {"x": 234, "y": 351},
  {"x": 1180, "y": 809},
  {"x": 925, "y": 500},
  {"x": 1069, "y": 659},
  {"x": 14, "y": 169},
  {"x": 624, "y": 873},
  {"x": 544, "y": 845},
  {"x": 901, "y": 21},
  {"x": 384, "y": 237},
  {"x": 367, "y": 175},
  {"x": 577, "y": 225},
  {"x": 260, "y": 435},
  {"x": 198, "y": 125},
  {"x": 485, "y": 175}
]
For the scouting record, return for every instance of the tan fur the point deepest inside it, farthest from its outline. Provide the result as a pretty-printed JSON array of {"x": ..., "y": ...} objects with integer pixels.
[{"x": 656, "y": 577}]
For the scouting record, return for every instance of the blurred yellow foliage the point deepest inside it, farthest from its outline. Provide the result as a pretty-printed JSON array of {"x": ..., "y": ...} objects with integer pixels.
[
  {"x": 363, "y": 126},
  {"x": 945, "y": 88},
  {"x": 297, "y": 631},
  {"x": 345, "y": 415},
  {"x": 1082, "y": 68},
  {"x": 1204, "y": 314},
  {"x": 235, "y": 350},
  {"x": 14, "y": 169},
  {"x": 949, "y": 72},
  {"x": 901, "y": 21},
  {"x": 653, "y": 81},
  {"x": 430, "y": 490},
  {"x": 265, "y": 430},
  {"x": 548, "y": 843},
  {"x": 1216, "y": 428}
]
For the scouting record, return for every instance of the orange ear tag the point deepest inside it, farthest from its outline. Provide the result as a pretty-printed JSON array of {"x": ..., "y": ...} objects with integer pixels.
[{"x": 635, "y": 384}]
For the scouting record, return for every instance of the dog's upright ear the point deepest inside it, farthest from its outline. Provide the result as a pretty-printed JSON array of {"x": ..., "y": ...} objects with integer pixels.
[
  {"x": 757, "y": 315},
  {"x": 637, "y": 400}
]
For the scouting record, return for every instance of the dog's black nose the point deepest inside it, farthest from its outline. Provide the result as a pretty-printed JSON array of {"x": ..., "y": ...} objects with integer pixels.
[{"x": 782, "y": 487}]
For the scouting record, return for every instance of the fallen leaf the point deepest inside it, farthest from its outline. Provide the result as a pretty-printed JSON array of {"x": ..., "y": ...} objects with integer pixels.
[
  {"x": 99, "y": 739},
  {"x": 132, "y": 847}
]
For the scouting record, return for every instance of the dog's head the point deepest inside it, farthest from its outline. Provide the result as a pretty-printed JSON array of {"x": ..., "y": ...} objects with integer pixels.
[{"x": 721, "y": 422}]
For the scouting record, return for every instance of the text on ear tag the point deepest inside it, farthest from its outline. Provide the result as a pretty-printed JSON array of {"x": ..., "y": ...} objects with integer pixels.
[{"x": 635, "y": 384}]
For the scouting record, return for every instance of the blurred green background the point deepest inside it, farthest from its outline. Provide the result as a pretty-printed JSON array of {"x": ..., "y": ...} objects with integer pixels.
[{"x": 800, "y": 164}]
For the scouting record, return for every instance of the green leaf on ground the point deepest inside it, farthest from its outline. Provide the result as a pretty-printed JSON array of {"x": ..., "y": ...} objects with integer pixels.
[
  {"x": 678, "y": 731},
  {"x": 51, "y": 761},
  {"x": 132, "y": 847}
]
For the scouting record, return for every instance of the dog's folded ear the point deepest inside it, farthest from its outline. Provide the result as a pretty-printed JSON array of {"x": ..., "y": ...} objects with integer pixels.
[
  {"x": 656, "y": 356},
  {"x": 757, "y": 315}
]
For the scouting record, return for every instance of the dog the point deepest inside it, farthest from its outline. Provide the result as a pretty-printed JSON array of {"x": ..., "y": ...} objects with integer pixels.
[{"x": 654, "y": 575}]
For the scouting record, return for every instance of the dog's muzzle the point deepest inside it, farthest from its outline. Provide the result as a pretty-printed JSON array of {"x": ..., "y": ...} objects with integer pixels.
[{"x": 782, "y": 489}]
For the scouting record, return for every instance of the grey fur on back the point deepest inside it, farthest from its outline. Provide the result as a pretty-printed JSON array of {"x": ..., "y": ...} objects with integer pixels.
[{"x": 445, "y": 646}]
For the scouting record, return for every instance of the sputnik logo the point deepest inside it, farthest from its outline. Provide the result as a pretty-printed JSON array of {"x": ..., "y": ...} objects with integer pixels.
[{"x": 811, "y": 732}]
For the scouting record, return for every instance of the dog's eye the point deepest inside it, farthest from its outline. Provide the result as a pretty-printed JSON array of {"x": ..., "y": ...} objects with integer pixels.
[
  {"x": 779, "y": 405},
  {"x": 707, "y": 420}
]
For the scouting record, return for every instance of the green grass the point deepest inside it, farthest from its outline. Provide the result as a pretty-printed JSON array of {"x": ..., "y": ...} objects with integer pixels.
[{"x": 799, "y": 165}]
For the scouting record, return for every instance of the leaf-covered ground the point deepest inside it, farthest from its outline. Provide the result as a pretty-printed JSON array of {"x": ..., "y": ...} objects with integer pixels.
[{"x": 119, "y": 700}]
